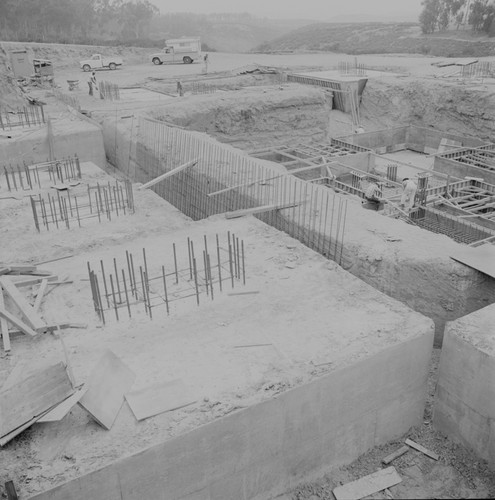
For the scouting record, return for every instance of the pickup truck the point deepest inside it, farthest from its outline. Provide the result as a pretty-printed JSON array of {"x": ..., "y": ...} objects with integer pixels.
[
  {"x": 99, "y": 62},
  {"x": 179, "y": 50}
]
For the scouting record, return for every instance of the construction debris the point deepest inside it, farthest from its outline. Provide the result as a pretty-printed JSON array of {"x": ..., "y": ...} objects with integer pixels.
[
  {"x": 25, "y": 402},
  {"x": 396, "y": 454},
  {"x": 423, "y": 450},
  {"x": 110, "y": 380},
  {"x": 368, "y": 485}
]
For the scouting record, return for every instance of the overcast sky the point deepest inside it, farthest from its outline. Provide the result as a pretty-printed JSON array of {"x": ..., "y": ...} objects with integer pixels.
[{"x": 303, "y": 9}]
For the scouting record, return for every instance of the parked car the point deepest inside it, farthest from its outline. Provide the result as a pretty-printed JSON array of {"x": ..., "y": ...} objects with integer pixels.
[
  {"x": 99, "y": 62},
  {"x": 183, "y": 50}
]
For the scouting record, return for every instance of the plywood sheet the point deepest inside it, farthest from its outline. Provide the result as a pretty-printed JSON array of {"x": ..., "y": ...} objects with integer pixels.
[
  {"x": 59, "y": 412},
  {"x": 33, "y": 396},
  {"x": 158, "y": 399},
  {"x": 108, "y": 383},
  {"x": 481, "y": 258},
  {"x": 368, "y": 485}
]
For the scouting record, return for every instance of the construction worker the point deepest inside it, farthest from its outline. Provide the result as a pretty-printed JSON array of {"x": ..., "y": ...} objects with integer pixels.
[
  {"x": 92, "y": 83},
  {"x": 373, "y": 196},
  {"x": 180, "y": 90},
  {"x": 408, "y": 194}
]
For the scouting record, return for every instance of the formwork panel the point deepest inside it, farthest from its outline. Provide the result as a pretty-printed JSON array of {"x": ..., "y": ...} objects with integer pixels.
[{"x": 465, "y": 398}]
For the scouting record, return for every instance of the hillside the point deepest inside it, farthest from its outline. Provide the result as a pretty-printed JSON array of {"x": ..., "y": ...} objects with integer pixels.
[
  {"x": 380, "y": 38},
  {"x": 224, "y": 33}
]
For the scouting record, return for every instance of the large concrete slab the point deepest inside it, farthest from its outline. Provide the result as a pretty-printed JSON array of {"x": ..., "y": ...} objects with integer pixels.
[{"x": 465, "y": 398}]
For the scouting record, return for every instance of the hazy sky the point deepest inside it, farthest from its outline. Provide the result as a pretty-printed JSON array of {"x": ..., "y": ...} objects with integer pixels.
[{"x": 304, "y": 9}]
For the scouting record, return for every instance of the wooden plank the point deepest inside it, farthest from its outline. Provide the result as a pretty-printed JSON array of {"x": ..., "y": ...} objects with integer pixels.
[
  {"x": 396, "y": 454},
  {"x": 422, "y": 449},
  {"x": 10, "y": 490},
  {"x": 159, "y": 399},
  {"x": 4, "y": 327},
  {"x": 33, "y": 396},
  {"x": 32, "y": 318},
  {"x": 58, "y": 413},
  {"x": 259, "y": 210},
  {"x": 108, "y": 383},
  {"x": 39, "y": 295},
  {"x": 4, "y": 270},
  {"x": 32, "y": 281},
  {"x": 169, "y": 174},
  {"x": 17, "y": 322},
  {"x": 368, "y": 485}
]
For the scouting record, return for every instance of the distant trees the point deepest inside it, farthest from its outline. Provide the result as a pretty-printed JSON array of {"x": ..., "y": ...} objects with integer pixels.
[
  {"x": 440, "y": 14},
  {"x": 74, "y": 20}
]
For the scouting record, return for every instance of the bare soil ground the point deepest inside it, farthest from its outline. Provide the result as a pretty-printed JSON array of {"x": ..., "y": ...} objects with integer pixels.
[{"x": 457, "y": 474}]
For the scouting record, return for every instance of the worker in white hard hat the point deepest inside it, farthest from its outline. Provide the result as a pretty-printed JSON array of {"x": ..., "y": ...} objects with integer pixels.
[{"x": 408, "y": 194}]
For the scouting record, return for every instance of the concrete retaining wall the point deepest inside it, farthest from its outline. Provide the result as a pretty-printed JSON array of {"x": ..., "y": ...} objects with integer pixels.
[
  {"x": 70, "y": 137},
  {"x": 266, "y": 449},
  {"x": 465, "y": 397},
  {"x": 420, "y": 139},
  {"x": 459, "y": 169}
]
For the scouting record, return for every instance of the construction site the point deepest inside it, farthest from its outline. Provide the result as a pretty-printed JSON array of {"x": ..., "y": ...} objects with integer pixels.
[{"x": 197, "y": 304}]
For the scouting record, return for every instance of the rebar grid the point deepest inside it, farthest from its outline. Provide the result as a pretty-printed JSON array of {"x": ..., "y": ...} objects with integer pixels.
[
  {"x": 27, "y": 177},
  {"x": 141, "y": 284},
  {"x": 69, "y": 100},
  {"x": 101, "y": 201},
  {"x": 109, "y": 91},
  {"x": 31, "y": 116},
  {"x": 225, "y": 180}
]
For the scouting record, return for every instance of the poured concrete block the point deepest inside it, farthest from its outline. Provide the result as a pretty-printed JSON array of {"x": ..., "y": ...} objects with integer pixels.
[{"x": 465, "y": 399}]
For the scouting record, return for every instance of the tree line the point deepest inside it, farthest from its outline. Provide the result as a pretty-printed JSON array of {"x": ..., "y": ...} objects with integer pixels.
[
  {"x": 439, "y": 15},
  {"x": 75, "y": 21}
]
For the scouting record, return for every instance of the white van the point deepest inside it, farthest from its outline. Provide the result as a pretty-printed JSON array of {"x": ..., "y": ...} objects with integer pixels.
[{"x": 186, "y": 50}]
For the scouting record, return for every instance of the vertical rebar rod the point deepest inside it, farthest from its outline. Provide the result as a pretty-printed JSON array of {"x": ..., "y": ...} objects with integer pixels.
[
  {"x": 148, "y": 293},
  {"x": 104, "y": 283},
  {"x": 196, "y": 280},
  {"x": 219, "y": 264},
  {"x": 144, "y": 289},
  {"x": 126, "y": 294},
  {"x": 165, "y": 289},
  {"x": 134, "y": 276},
  {"x": 114, "y": 298},
  {"x": 175, "y": 264},
  {"x": 243, "y": 265},
  {"x": 129, "y": 270},
  {"x": 190, "y": 258},
  {"x": 117, "y": 279}
]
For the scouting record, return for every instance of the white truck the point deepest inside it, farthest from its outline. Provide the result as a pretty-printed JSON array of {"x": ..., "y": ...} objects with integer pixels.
[
  {"x": 98, "y": 62},
  {"x": 185, "y": 50}
]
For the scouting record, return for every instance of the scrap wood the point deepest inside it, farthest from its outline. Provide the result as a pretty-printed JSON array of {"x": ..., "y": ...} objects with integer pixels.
[
  {"x": 25, "y": 402},
  {"x": 4, "y": 270},
  {"x": 368, "y": 485},
  {"x": 22, "y": 280},
  {"x": 60, "y": 411},
  {"x": 4, "y": 327},
  {"x": 17, "y": 322},
  {"x": 39, "y": 295},
  {"x": 396, "y": 454},
  {"x": 10, "y": 490},
  {"x": 158, "y": 399},
  {"x": 168, "y": 174},
  {"x": 59, "y": 326},
  {"x": 244, "y": 293},
  {"x": 110, "y": 380},
  {"x": 260, "y": 209},
  {"x": 54, "y": 260},
  {"x": 422, "y": 449},
  {"x": 33, "y": 319}
]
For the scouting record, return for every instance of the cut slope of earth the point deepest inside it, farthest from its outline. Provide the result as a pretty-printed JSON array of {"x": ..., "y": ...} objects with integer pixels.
[{"x": 380, "y": 38}]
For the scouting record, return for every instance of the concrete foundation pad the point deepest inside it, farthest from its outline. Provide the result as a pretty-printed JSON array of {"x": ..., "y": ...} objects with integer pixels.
[
  {"x": 465, "y": 399},
  {"x": 345, "y": 369}
]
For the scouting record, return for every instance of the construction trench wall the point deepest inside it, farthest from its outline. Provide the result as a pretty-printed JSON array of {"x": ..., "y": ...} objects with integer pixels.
[
  {"x": 465, "y": 395},
  {"x": 70, "y": 137},
  {"x": 415, "y": 269},
  {"x": 419, "y": 139},
  {"x": 261, "y": 451}
]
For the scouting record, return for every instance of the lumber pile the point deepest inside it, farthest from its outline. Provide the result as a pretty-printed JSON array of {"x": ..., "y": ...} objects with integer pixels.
[{"x": 17, "y": 314}]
